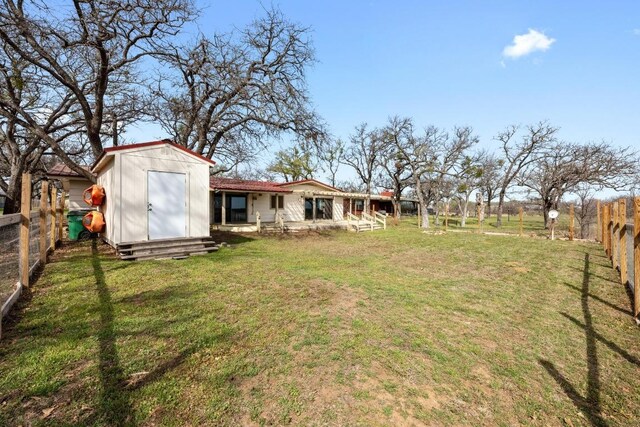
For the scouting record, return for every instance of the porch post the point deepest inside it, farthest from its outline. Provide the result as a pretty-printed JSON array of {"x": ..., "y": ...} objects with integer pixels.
[
  {"x": 350, "y": 205},
  {"x": 333, "y": 209},
  {"x": 213, "y": 208},
  {"x": 314, "y": 208},
  {"x": 276, "y": 217},
  {"x": 223, "y": 220}
]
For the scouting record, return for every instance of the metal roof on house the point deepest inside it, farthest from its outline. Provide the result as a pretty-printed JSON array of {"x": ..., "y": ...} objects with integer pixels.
[
  {"x": 60, "y": 169},
  {"x": 233, "y": 184},
  {"x": 309, "y": 181}
]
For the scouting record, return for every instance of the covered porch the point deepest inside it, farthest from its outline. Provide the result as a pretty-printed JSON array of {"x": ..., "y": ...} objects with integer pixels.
[{"x": 287, "y": 227}]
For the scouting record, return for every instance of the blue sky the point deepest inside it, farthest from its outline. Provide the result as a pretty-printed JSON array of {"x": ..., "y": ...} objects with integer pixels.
[{"x": 442, "y": 63}]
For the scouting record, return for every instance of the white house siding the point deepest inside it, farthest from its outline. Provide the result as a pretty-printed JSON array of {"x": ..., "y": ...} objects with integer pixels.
[
  {"x": 130, "y": 182},
  {"x": 260, "y": 202},
  {"x": 110, "y": 207},
  {"x": 338, "y": 210},
  {"x": 294, "y": 207},
  {"x": 76, "y": 188}
]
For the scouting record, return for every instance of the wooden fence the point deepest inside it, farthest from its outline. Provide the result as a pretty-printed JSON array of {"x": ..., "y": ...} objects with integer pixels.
[
  {"x": 620, "y": 238},
  {"x": 26, "y": 239}
]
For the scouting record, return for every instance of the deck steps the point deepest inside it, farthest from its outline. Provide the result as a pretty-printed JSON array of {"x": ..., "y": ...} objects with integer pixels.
[
  {"x": 366, "y": 226},
  {"x": 166, "y": 248}
]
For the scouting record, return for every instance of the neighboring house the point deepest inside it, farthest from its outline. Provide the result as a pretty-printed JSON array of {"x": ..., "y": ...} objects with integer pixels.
[{"x": 72, "y": 183}]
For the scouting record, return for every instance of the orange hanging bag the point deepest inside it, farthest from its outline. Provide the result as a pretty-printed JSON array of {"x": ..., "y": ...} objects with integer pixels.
[
  {"x": 94, "y": 195},
  {"x": 94, "y": 222}
]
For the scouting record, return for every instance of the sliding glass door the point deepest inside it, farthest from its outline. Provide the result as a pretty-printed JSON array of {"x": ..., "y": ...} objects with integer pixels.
[
  {"x": 323, "y": 208},
  {"x": 236, "y": 208}
]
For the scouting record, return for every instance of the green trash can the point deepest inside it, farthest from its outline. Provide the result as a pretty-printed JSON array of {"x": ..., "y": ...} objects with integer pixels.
[{"x": 76, "y": 229}]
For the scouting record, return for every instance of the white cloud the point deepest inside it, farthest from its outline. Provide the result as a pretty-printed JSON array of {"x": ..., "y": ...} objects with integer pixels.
[{"x": 524, "y": 44}]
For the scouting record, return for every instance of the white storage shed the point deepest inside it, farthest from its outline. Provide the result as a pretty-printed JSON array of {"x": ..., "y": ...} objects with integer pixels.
[{"x": 154, "y": 190}]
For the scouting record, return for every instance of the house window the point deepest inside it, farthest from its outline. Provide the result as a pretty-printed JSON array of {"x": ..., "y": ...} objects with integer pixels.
[
  {"x": 279, "y": 200},
  {"x": 358, "y": 205}
]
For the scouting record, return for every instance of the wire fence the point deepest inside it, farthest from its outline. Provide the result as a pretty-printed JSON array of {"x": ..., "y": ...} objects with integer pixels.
[
  {"x": 25, "y": 240},
  {"x": 9, "y": 255},
  {"x": 619, "y": 233}
]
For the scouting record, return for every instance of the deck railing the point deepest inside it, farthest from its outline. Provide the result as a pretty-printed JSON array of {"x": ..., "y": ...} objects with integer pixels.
[
  {"x": 351, "y": 219},
  {"x": 369, "y": 218},
  {"x": 382, "y": 219}
]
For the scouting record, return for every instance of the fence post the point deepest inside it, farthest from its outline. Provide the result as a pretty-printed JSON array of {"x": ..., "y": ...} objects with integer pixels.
[
  {"x": 571, "y": 222},
  {"x": 614, "y": 235},
  {"x": 606, "y": 237},
  {"x": 52, "y": 239},
  {"x": 598, "y": 222},
  {"x": 623, "y": 240},
  {"x": 521, "y": 213},
  {"x": 44, "y": 192},
  {"x": 636, "y": 256},
  {"x": 25, "y": 211},
  {"x": 61, "y": 214}
]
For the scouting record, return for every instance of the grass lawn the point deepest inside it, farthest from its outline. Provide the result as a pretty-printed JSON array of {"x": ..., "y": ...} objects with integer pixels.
[{"x": 379, "y": 328}]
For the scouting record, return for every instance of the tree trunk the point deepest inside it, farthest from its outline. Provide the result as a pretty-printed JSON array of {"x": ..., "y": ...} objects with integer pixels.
[
  {"x": 500, "y": 208},
  {"x": 13, "y": 192},
  {"x": 465, "y": 210},
  {"x": 547, "y": 205},
  {"x": 488, "y": 207}
]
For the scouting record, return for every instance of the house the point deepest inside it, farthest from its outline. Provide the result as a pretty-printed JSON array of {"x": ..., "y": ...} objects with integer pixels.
[
  {"x": 73, "y": 183},
  {"x": 240, "y": 205},
  {"x": 154, "y": 191}
]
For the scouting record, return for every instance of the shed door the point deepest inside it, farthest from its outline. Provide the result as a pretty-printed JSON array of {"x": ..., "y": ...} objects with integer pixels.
[{"x": 166, "y": 204}]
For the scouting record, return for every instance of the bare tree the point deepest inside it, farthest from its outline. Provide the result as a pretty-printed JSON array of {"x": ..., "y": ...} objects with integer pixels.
[
  {"x": 238, "y": 88},
  {"x": 586, "y": 209},
  {"x": 567, "y": 166},
  {"x": 490, "y": 180},
  {"x": 519, "y": 155},
  {"x": 467, "y": 180},
  {"x": 331, "y": 156},
  {"x": 89, "y": 55},
  {"x": 23, "y": 89},
  {"x": 362, "y": 154},
  {"x": 419, "y": 154},
  {"x": 449, "y": 161},
  {"x": 395, "y": 174}
]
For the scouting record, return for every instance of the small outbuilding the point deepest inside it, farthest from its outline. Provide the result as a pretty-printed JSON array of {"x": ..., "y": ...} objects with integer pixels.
[
  {"x": 154, "y": 191},
  {"x": 73, "y": 183}
]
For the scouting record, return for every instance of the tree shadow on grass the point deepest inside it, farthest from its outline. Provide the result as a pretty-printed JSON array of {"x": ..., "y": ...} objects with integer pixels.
[
  {"x": 115, "y": 406},
  {"x": 590, "y": 404},
  {"x": 115, "y": 399},
  {"x": 603, "y": 301}
]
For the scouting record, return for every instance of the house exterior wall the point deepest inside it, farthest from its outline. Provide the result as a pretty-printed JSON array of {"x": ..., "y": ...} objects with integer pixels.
[
  {"x": 127, "y": 178},
  {"x": 76, "y": 188},
  {"x": 111, "y": 207},
  {"x": 294, "y": 207},
  {"x": 260, "y": 202}
]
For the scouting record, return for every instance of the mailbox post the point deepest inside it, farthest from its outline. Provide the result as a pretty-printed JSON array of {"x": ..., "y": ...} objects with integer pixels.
[{"x": 553, "y": 215}]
